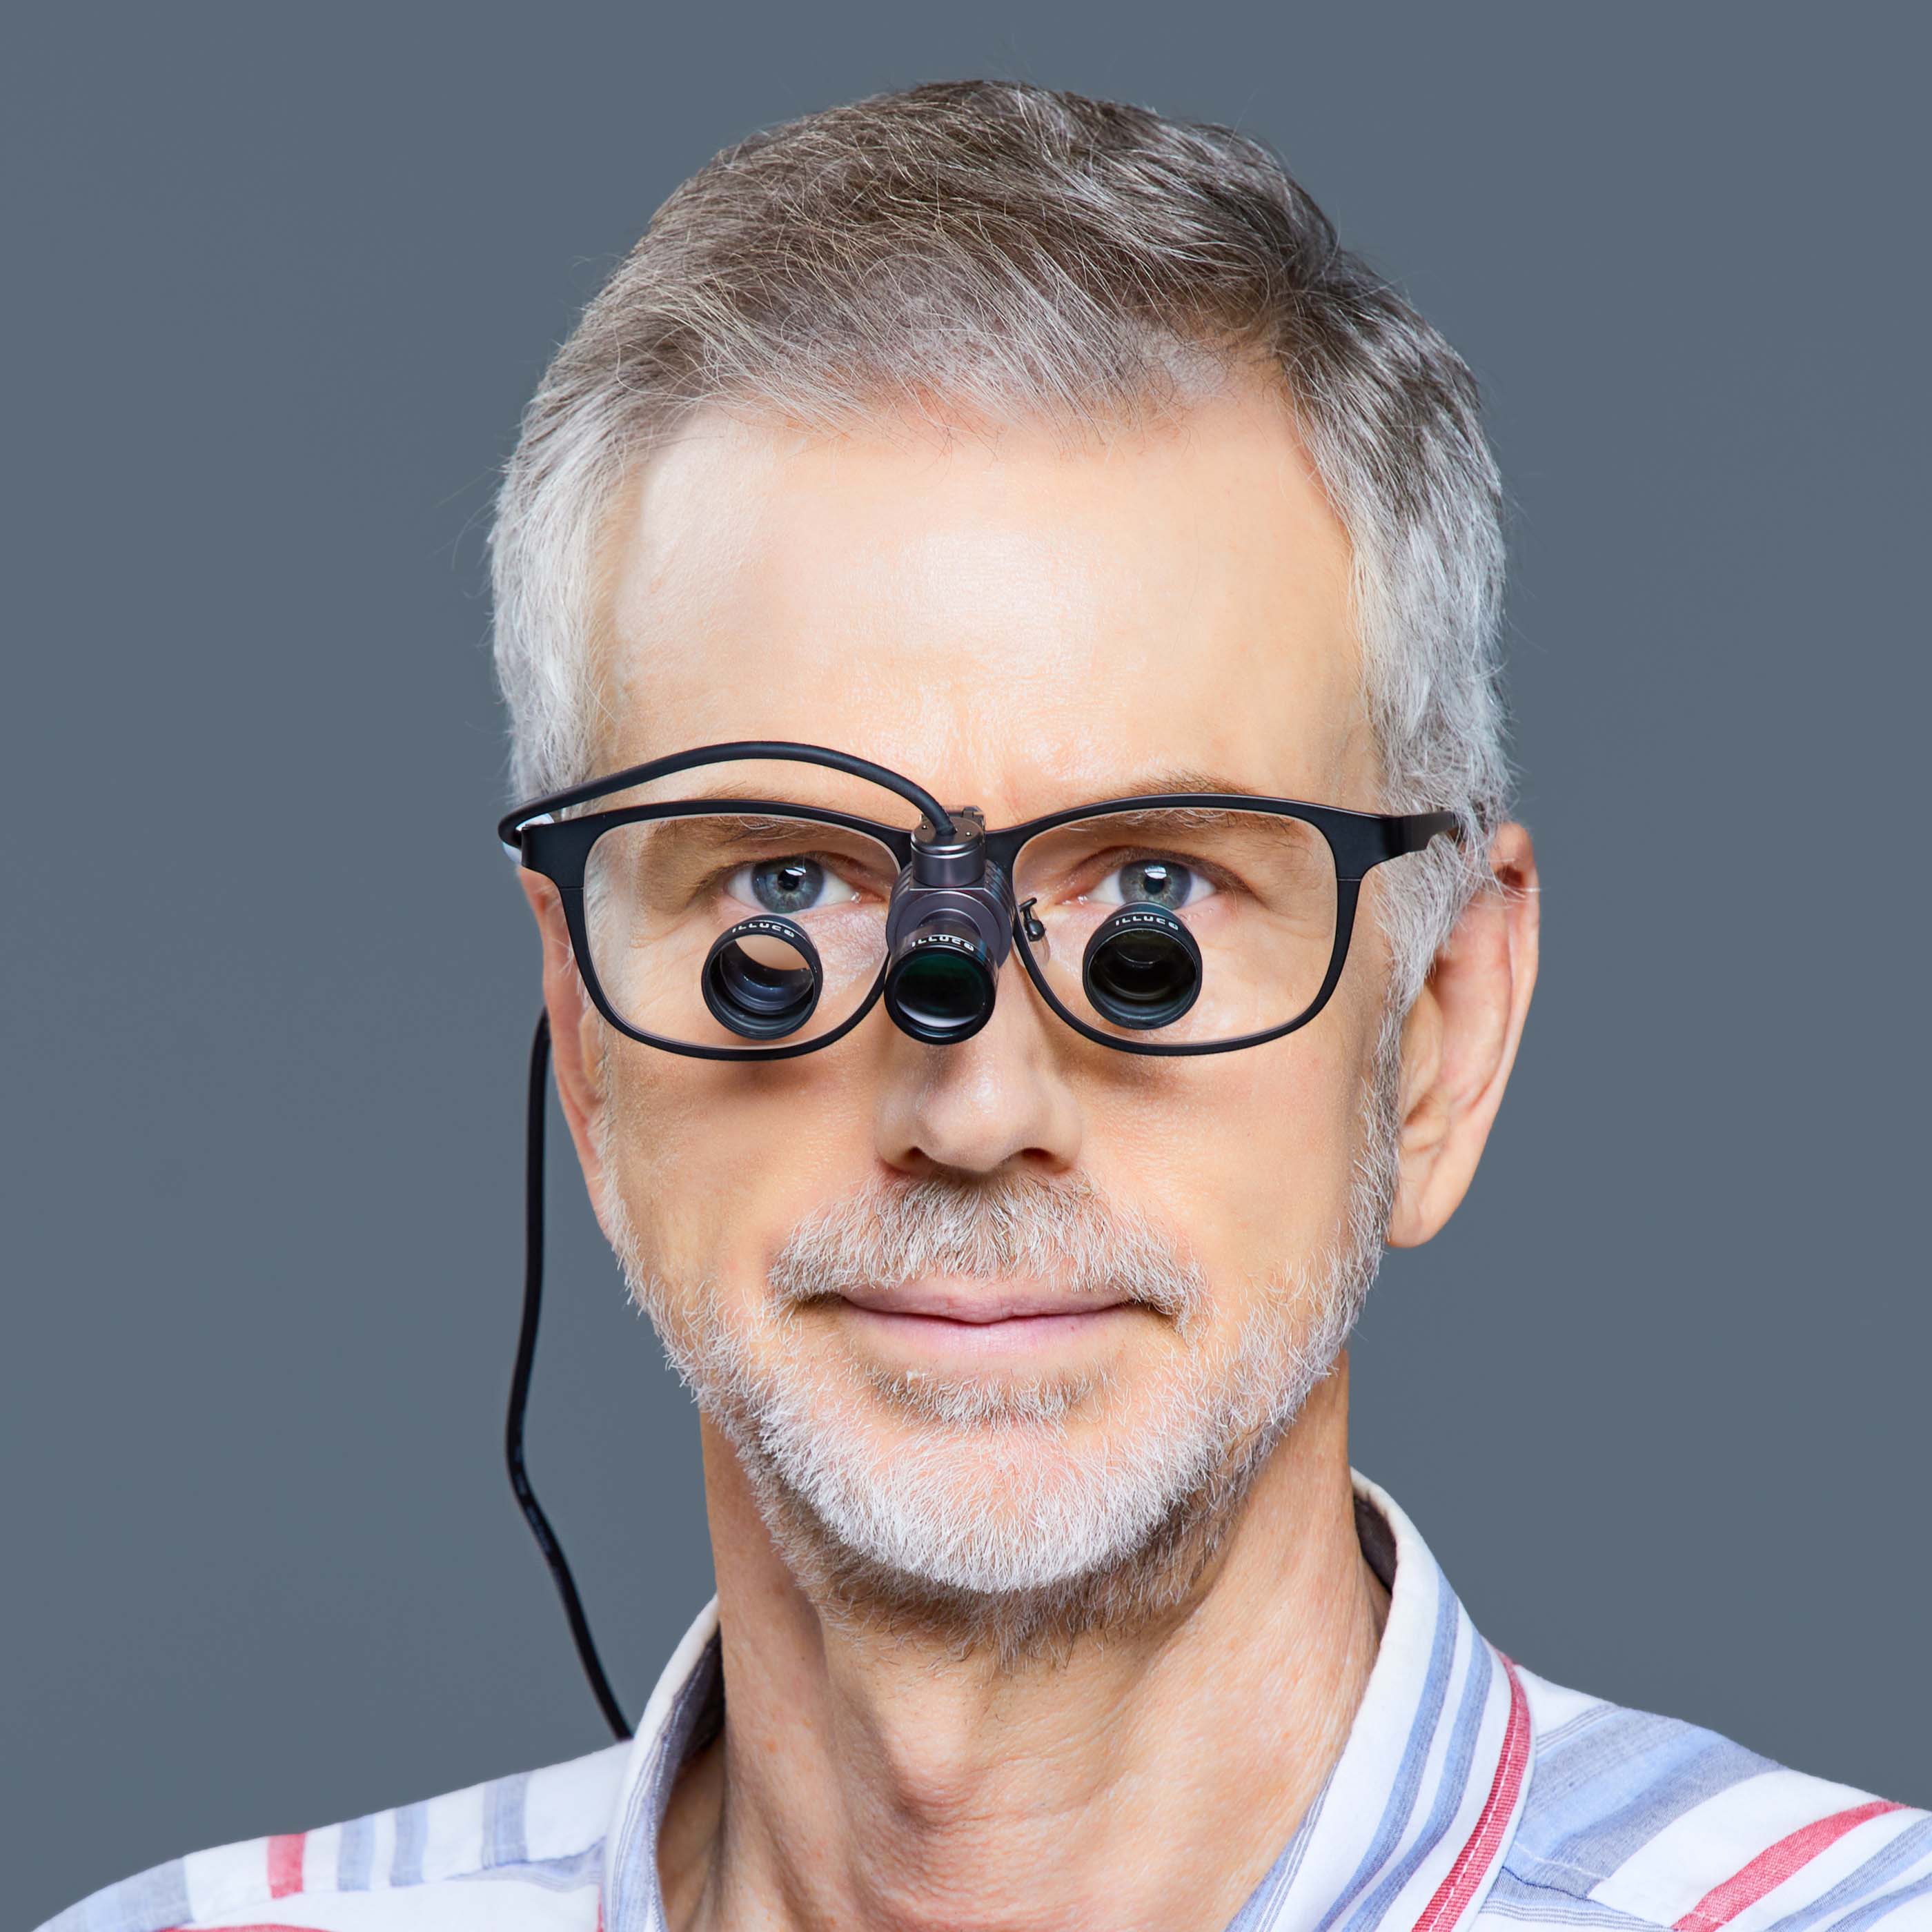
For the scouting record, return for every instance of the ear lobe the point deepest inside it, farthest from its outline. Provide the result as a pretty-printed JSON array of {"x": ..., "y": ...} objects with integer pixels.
[
  {"x": 1460, "y": 1042},
  {"x": 575, "y": 1035}
]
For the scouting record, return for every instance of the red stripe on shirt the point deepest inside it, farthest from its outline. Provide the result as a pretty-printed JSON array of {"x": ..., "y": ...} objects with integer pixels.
[
  {"x": 1472, "y": 1863},
  {"x": 285, "y": 1863},
  {"x": 1773, "y": 1865}
]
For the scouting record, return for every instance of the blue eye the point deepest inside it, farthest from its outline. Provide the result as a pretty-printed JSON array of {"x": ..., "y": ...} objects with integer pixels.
[
  {"x": 789, "y": 885},
  {"x": 1165, "y": 883}
]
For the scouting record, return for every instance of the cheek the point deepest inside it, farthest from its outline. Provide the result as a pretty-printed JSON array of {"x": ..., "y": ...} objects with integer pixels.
[
  {"x": 1248, "y": 1156},
  {"x": 716, "y": 1163}
]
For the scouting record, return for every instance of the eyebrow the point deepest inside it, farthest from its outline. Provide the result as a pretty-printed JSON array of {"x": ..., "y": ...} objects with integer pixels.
[{"x": 1185, "y": 778}]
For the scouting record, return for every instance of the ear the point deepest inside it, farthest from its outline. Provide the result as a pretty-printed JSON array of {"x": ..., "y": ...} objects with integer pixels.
[
  {"x": 576, "y": 1038},
  {"x": 1460, "y": 1042}
]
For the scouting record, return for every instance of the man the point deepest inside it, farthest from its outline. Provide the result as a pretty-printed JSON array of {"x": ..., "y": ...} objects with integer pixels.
[{"x": 1005, "y": 1181}]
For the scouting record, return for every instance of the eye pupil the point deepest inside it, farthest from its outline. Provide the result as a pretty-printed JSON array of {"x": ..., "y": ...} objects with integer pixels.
[
  {"x": 1155, "y": 882},
  {"x": 788, "y": 885}
]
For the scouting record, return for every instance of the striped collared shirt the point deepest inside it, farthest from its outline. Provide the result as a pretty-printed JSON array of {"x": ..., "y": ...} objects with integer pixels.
[{"x": 1470, "y": 1794}]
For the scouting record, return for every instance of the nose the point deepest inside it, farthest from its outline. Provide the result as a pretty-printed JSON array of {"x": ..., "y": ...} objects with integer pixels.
[{"x": 998, "y": 1100}]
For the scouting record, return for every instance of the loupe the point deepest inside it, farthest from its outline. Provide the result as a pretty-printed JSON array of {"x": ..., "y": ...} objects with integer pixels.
[
  {"x": 940, "y": 983},
  {"x": 948, "y": 932},
  {"x": 1142, "y": 968},
  {"x": 762, "y": 978}
]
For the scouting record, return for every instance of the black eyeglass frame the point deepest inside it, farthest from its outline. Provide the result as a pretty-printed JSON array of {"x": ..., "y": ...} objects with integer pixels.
[{"x": 559, "y": 849}]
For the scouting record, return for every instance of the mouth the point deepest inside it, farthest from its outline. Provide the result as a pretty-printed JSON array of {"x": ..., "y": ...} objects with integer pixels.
[{"x": 958, "y": 1321}]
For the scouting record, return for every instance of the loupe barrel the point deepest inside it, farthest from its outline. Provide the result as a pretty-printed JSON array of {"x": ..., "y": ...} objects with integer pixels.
[
  {"x": 762, "y": 979},
  {"x": 942, "y": 980},
  {"x": 947, "y": 936},
  {"x": 1142, "y": 968}
]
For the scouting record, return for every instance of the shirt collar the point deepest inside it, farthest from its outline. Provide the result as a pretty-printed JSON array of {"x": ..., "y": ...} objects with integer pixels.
[{"x": 1408, "y": 1831}]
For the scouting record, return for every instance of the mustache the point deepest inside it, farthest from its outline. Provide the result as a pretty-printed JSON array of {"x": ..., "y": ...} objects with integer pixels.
[{"x": 1066, "y": 1232}]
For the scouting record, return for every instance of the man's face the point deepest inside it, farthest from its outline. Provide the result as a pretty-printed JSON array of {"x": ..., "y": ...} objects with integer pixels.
[{"x": 1021, "y": 626}]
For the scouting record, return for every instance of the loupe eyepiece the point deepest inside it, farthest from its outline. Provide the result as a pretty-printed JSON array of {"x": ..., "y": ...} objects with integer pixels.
[
  {"x": 1142, "y": 968},
  {"x": 762, "y": 979}
]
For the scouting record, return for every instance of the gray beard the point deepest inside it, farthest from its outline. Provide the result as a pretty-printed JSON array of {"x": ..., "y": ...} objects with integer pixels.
[{"x": 989, "y": 1524}]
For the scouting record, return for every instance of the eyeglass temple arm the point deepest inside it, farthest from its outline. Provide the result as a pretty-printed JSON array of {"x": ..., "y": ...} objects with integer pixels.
[
  {"x": 520, "y": 1384},
  {"x": 1413, "y": 830}
]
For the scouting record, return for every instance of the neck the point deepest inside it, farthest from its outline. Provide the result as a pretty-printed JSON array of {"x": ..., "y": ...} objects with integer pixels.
[{"x": 873, "y": 1779}]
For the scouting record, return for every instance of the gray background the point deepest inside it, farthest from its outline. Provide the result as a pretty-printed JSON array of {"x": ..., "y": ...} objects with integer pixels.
[{"x": 279, "y": 279}]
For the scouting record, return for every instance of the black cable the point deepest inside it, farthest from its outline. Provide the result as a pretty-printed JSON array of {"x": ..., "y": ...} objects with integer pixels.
[{"x": 520, "y": 1383}]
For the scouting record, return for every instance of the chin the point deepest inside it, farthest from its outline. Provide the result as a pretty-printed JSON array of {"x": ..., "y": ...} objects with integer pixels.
[
  {"x": 1006, "y": 1540},
  {"x": 993, "y": 1511}
]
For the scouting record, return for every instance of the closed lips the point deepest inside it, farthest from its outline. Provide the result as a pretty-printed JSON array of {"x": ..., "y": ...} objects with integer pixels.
[{"x": 978, "y": 1303}]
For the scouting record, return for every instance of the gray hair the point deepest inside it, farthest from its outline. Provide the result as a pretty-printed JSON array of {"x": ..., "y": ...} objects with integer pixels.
[{"x": 1019, "y": 253}]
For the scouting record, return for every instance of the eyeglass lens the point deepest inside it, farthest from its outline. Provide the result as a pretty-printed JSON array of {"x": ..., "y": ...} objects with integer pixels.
[
  {"x": 1253, "y": 893},
  {"x": 661, "y": 894}
]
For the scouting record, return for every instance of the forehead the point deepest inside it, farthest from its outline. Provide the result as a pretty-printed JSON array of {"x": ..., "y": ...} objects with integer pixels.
[{"x": 1014, "y": 619}]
